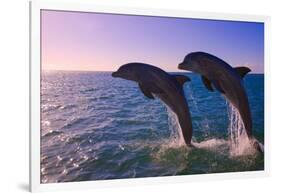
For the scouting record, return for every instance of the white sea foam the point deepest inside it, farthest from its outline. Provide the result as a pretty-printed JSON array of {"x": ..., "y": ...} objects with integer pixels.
[
  {"x": 204, "y": 124},
  {"x": 238, "y": 143},
  {"x": 210, "y": 143},
  {"x": 176, "y": 136},
  {"x": 238, "y": 140}
]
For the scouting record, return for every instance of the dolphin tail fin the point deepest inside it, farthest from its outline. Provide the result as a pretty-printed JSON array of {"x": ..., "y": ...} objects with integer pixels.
[
  {"x": 181, "y": 79},
  {"x": 242, "y": 70}
]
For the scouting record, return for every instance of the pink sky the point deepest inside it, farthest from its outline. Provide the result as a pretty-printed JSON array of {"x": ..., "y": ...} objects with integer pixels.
[{"x": 103, "y": 42}]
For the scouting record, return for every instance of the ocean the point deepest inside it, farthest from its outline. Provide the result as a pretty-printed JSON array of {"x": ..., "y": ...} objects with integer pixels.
[{"x": 96, "y": 127}]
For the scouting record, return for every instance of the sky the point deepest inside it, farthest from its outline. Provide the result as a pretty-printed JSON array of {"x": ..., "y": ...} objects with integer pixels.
[{"x": 80, "y": 41}]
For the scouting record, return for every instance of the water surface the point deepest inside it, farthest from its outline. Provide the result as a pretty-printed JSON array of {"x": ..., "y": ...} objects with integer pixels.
[{"x": 95, "y": 127}]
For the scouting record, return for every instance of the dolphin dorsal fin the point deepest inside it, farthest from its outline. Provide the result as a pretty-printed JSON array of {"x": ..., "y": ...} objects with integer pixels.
[
  {"x": 146, "y": 91},
  {"x": 242, "y": 70},
  {"x": 207, "y": 83},
  {"x": 181, "y": 79}
]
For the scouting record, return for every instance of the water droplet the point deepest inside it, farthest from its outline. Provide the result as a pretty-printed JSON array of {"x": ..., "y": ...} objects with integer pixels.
[
  {"x": 121, "y": 147},
  {"x": 64, "y": 171},
  {"x": 59, "y": 158},
  {"x": 85, "y": 157},
  {"x": 43, "y": 170}
]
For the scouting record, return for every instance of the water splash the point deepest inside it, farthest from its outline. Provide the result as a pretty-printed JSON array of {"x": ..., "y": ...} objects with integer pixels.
[
  {"x": 203, "y": 125},
  {"x": 211, "y": 144},
  {"x": 176, "y": 137},
  {"x": 172, "y": 152},
  {"x": 238, "y": 140}
]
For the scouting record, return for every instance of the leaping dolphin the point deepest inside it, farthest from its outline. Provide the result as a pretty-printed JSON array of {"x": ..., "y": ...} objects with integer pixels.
[
  {"x": 168, "y": 88},
  {"x": 227, "y": 80}
]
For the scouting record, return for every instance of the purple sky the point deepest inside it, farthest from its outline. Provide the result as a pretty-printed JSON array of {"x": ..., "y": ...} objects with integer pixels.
[{"x": 103, "y": 42}]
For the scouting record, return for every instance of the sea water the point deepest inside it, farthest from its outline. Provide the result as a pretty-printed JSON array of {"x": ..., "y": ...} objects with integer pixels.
[{"x": 95, "y": 127}]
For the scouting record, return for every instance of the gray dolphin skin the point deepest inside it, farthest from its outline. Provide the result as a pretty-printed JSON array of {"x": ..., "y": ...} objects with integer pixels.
[
  {"x": 154, "y": 81},
  {"x": 216, "y": 73}
]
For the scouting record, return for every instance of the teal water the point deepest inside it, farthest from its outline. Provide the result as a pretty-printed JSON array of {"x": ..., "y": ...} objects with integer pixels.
[{"x": 95, "y": 127}]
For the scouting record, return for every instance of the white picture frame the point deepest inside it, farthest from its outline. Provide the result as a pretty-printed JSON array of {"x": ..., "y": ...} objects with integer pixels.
[{"x": 35, "y": 69}]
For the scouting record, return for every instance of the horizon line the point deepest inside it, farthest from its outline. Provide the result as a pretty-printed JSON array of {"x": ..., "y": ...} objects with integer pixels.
[{"x": 46, "y": 70}]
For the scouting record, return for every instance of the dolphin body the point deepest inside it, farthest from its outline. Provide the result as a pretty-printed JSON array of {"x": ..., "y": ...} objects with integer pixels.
[
  {"x": 216, "y": 73},
  {"x": 168, "y": 88}
]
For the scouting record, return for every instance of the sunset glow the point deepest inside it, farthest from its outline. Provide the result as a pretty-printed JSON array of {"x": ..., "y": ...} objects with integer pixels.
[{"x": 103, "y": 42}]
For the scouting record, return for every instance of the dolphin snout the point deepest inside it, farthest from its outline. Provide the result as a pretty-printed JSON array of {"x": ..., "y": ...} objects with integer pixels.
[
  {"x": 181, "y": 66},
  {"x": 114, "y": 74}
]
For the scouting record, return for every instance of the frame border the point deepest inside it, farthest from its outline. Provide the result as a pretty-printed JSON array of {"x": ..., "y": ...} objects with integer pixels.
[{"x": 35, "y": 81}]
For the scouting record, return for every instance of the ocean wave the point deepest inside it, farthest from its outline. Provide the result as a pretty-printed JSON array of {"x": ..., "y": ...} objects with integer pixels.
[
  {"x": 52, "y": 133},
  {"x": 75, "y": 123},
  {"x": 68, "y": 106},
  {"x": 89, "y": 90},
  {"x": 49, "y": 107},
  {"x": 211, "y": 143},
  {"x": 96, "y": 127}
]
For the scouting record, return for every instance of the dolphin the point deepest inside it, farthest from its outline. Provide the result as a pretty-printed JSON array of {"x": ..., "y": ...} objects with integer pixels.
[
  {"x": 154, "y": 81},
  {"x": 216, "y": 73}
]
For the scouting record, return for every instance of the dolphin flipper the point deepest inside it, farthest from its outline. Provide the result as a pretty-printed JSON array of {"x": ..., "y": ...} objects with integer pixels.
[
  {"x": 148, "y": 88},
  {"x": 242, "y": 70},
  {"x": 146, "y": 92},
  {"x": 207, "y": 83},
  {"x": 181, "y": 79},
  {"x": 218, "y": 87}
]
